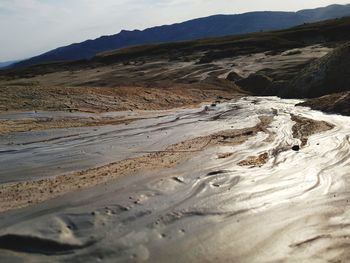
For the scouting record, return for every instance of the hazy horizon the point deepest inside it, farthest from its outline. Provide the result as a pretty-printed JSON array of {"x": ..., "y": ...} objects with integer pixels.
[{"x": 61, "y": 23}]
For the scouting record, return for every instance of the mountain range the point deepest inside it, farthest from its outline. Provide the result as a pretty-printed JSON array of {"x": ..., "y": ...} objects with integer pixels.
[
  {"x": 212, "y": 26},
  {"x": 7, "y": 63}
]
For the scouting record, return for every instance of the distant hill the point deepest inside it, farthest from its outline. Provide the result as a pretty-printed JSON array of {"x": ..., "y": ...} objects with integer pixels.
[
  {"x": 7, "y": 63},
  {"x": 201, "y": 51},
  {"x": 213, "y": 26}
]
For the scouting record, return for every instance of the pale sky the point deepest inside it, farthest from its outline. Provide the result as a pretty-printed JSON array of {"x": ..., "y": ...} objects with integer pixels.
[{"x": 31, "y": 27}]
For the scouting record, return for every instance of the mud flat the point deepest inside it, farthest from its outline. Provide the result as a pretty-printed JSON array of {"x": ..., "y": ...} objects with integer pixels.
[
  {"x": 189, "y": 198},
  {"x": 23, "y": 194}
]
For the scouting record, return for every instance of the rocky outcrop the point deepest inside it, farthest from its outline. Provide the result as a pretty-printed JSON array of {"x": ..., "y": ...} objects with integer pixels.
[
  {"x": 334, "y": 103},
  {"x": 327, "y": 75}
]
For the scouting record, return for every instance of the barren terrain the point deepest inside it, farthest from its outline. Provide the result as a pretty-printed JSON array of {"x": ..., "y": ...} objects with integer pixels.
[
  {"x": 156, "y": 85},
  {"x": 168, "y": 153}
]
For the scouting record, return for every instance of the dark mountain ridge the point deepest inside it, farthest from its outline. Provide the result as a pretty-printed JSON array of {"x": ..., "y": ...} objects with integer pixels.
[
  {"x": 212, "y": 26},
  {"x": 6, "y": 64}
]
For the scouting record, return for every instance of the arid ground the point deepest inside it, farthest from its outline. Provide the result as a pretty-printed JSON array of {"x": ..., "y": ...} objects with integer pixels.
[{"x": 179, "y": 153}]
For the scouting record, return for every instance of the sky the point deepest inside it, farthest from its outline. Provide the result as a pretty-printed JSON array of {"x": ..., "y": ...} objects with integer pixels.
[{"x": 31, "y": 27}]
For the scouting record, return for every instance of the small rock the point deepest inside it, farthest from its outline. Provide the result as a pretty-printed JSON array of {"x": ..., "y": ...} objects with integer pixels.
[
  {"x": 178, "y": 179},
  {"x": 296, "y": 148}
]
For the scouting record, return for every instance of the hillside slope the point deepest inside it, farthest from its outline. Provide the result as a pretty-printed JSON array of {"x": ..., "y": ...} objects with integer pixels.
[
  {"x": 7, "y": 63},
  {"x": 204, "y": 51},
  {"x": 327, "y": 75},
  {"x": 174, "y": 74},
  {"x": 213, "y": 26}
]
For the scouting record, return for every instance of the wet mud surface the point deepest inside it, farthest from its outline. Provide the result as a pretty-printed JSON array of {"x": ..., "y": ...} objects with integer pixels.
[{"x": 282, "y": 205}]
